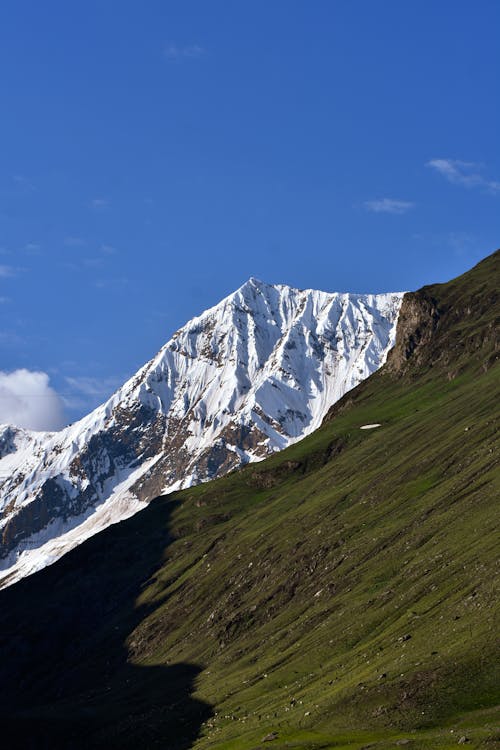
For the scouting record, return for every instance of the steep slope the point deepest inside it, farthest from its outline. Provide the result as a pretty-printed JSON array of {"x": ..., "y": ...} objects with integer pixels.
[
  {"x": 339, "y": 594},
  {"x": 246, "y": 378}
]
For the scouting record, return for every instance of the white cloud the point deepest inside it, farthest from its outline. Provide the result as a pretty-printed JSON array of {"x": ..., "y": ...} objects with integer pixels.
[
  {"x": 177, "y": 52},
  {"x": 27, "y": 400},
  {"x": 464, "y": 173},
  {"x": 389, "y": 206}
]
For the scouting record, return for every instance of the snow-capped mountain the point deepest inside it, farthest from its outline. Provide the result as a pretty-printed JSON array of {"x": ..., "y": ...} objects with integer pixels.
[{"x": 247, "y": 377}]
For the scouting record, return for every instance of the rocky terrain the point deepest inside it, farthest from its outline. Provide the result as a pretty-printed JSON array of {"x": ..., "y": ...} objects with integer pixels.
[
  {"x": 248, "y": 377},
  {"x": 342, "y": 593}
]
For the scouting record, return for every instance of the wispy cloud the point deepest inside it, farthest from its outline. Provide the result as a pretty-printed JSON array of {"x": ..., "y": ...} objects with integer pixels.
[
  {"x": 4, "y": 300},
  {"x": 389, "y": 206},
  {"x": 180, "y": 52},
  {"x": 99, "y": 203},
  {"x": 465, "y": 173}
]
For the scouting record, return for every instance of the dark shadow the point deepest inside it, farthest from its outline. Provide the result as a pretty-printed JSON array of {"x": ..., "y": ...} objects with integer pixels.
[{"x": 65, "y": 678}]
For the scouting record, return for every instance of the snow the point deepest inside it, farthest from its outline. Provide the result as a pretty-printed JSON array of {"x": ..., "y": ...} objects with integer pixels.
[
  {"x": 369, "y": 426},
  {"x": 60, "y": 537},
  {"x": 267, "y": 363}
]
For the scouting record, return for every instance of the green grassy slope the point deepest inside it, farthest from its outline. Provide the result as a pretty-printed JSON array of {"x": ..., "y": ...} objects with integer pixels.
[{"x": 339, "y": 594}]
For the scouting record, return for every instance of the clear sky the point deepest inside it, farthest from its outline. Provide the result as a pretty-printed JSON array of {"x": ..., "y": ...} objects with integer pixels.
[{"x": 157, "y": 153}]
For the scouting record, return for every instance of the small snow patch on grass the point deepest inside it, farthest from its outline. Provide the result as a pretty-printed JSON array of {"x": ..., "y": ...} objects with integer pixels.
[{"x": 369, "y": 426}]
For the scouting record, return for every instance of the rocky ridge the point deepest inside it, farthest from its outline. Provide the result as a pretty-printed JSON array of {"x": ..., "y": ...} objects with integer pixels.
[{"x": 248, "y": 377}]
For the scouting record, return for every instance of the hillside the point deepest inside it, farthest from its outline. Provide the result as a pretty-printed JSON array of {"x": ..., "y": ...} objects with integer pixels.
[
  {"x": 246, "y": 378},
  {"x": 340, "y": 594}
]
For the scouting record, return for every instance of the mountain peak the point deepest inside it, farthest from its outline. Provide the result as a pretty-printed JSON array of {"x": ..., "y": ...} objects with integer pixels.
[
  {"x": 244, "y": 379},
  {"x": 253, "y": 283}
]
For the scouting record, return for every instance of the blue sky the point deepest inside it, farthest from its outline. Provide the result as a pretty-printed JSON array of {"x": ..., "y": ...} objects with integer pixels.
[{"x": 156, "y": 154}]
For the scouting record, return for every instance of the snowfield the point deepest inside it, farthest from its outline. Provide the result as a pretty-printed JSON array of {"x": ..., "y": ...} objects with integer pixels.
[{"x": 249, "y": 376}]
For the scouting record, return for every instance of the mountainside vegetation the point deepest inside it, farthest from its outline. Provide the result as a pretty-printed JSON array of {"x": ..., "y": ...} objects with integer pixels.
[{"x": 340, "y": 594}]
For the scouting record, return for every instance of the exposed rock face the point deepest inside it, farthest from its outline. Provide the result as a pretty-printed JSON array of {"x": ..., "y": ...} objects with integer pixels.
[
  {"x": 418, "y": 319},
  {"x": 246, "y": 378},
  {"x": 447, "y": 335},
  {"x": 7, "y": 440},
  {"x": 460, "y": 332}
]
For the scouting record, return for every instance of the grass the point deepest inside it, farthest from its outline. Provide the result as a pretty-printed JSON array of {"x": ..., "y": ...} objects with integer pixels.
[{"x": 340, "y": 594}]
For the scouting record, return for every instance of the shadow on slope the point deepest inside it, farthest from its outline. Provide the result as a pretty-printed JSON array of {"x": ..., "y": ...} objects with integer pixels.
[
  {"x": 341, "y": 589},
  {"x": 65, "y": 679}
]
